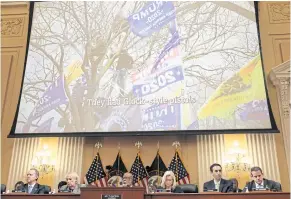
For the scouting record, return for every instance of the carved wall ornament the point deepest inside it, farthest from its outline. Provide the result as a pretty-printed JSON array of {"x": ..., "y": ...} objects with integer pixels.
[
  {"x": 12, "y": 26},
  {"x": 279, "y": 12},
  {"x": 285, "y": 92},
  {"x": 280, "y": 77}
]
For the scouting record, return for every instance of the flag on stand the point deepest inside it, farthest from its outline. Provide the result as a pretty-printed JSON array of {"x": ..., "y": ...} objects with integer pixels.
[
  {"x": 139, "y": 172},
  {"x": 116, "y": 172},
  {"x": 96, "y": 174},
  {"x": 179, "y": 169},
  {"x": 118, "y": 168},
  {"x": 156, "y": 171},
  {"x": 158, "y": 166}
]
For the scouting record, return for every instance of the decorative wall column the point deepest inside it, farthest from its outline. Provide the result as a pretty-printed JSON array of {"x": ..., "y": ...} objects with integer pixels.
[
  {"x": 280, "y": 77},
  {"x": 210, "y": 150},
  {"x": 22, "y": 155},
  {"x": 262, "y": 152},
  {"x": 69, "y": 158}
]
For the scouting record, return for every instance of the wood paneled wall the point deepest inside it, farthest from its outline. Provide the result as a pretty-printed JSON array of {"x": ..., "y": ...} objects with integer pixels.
[{"x": 14, "y": 26}]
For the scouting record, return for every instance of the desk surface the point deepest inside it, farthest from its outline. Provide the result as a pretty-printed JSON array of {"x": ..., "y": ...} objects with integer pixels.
[
  {"x": 163, "y": 196},
  {"x": 270, "y": 195}
]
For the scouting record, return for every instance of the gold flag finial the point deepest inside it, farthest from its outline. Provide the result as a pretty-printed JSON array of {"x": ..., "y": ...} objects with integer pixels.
[
  {"x": 176, "y": 144},
  {"x": 98, "y": 145},
  {"x": 138, "y": 144}
]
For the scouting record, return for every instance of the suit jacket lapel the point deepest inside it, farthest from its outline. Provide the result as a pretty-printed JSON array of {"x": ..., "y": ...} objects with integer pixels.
[
  {"x": 212, "y": 185},
  {"x": 254, "y": 185},
  {"x": 26, "y": 188},
  {"x": 34, "y": 189},
  {"x": 221, "y": 185},
  {"x": 266, "y": 183}
]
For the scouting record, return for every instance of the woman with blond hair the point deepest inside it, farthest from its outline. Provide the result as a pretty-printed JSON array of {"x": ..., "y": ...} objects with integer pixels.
[
  {"x": 169, "y": 183},
  {"x": 73, "y": 183}
]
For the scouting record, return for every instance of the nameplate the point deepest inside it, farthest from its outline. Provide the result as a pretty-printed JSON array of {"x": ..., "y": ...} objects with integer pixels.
[{"x": 110, "y": 196}]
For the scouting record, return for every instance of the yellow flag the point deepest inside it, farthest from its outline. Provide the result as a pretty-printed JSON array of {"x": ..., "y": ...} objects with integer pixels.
[
  {"x": 73, "y": 71},
  {"x": 246, "y": 85}
]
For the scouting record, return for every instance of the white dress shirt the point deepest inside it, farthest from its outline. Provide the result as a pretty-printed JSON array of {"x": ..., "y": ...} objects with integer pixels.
[
  {"x": 260, "y": 186},
  {"x": 30, "y": 187},
  {"x": 217, "y": 184}
]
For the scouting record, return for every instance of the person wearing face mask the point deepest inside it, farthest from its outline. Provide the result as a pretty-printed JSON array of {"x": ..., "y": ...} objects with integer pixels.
[
  {"x": 73, "y": 184},
  {"x": 259, "y": 182},
  {"x": 169, "y": 183},
  {"x": 32, "y": 187},
  {"x": 218, "y": 183}
]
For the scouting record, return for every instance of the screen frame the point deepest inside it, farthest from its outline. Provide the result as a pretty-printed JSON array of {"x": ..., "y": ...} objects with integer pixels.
[{"x": 273, "y": 129}]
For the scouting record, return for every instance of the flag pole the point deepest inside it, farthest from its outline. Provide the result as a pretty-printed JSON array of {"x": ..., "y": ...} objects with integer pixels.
[
  {"x": 98, "y": 145},
  {"x": 138, "y": 144},
  {"x": 118, "y": 162},
  {"x": 158, "y": 163},
  {"x": 176, "y": 144}
]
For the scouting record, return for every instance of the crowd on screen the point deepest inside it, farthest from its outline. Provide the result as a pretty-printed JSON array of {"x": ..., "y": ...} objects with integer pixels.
[{"x": 168, "y": 183}]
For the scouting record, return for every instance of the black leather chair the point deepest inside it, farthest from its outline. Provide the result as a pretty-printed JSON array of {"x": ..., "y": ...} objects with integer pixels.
[
  {"x": 3, "y": 188},
  {"x": 189, "y": 188},
  {"x": 47, "y": 189}
]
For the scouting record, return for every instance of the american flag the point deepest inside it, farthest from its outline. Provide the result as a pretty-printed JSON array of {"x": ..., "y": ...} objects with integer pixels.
[
  {"x": 96, "y": 173},
  {"x": 139, "y": 172},
  {"x": 179, "y": 169}
]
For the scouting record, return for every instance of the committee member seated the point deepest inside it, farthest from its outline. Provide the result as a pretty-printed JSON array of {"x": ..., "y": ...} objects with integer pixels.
[
  {"x": 32, "y": 187},
  {"x": 259, "y": 182},
  {"x": 169, "y": 183},
  {"x": 127, "y": 180},
  {"x": 73, "y": 184},
  {"x": 235, "y": 188},
  {"x": 217, "y": 184}
]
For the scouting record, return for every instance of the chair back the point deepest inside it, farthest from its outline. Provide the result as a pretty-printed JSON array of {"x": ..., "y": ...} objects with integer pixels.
[
  {"x": 3, "y": 188},
  {"x": 189, "y": 188}
]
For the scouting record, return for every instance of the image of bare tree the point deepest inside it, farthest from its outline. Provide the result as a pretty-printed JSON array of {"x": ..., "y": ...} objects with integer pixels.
[{"x": 217, "y": 39}]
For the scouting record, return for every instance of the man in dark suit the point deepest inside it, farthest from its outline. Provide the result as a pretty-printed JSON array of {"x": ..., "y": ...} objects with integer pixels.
[
  {"x": 259, "y": 182},
  {"x": 217, "y": 184},
  {"x": 32, "y": 187}
]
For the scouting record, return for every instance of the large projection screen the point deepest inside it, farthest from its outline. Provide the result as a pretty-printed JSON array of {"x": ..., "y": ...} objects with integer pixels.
[{"x": 143, "y": 68}]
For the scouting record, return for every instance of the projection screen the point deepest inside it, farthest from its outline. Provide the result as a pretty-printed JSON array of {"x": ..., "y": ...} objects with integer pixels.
[{"x": 143, "y": 68}]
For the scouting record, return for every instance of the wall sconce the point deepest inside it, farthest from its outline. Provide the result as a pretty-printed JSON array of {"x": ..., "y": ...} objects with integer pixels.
[
  {"x": 238, "y": 163},
  {"x": 43, "y": 161}
]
